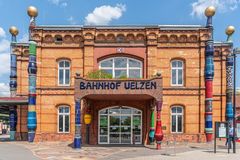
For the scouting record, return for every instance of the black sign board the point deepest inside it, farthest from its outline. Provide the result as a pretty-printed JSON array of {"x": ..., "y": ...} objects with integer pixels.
[{"x": 221, "y": 131}]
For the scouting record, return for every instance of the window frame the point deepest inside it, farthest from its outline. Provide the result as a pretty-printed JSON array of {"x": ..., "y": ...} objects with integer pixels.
[
  {"x": 176, "y": 115},
  {"x": 177, "y": 73},
  {"x": 64, "y": 114},
  {"x": 127, "y": 68},
  {"x": 64, "y": 72}
]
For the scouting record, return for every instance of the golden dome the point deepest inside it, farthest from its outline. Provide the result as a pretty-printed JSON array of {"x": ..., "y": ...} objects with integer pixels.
[
  {"x": 230, "y": 30},
  {"x": 32, "y": 11},
  {"x": 210, "y": 11},
  {"x": 13, "y": 30}
]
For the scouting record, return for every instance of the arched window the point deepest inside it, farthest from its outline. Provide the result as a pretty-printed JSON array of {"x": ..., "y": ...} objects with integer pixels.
[
  {"x": 177, "y": 119},
  {"x": 64, "y": 73},
  {"x": 63, "y": 119},
  {"x": 122, "y": 67},
  {"x": 177, "y": 73}
]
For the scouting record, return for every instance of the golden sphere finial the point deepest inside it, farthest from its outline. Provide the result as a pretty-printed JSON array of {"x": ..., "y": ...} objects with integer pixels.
[
  {"x": 230, "y": 30},
  {"x": 210, "y": 11},
  {"x": 13, "y": 30},
  {"x": 32, "y": 11}
]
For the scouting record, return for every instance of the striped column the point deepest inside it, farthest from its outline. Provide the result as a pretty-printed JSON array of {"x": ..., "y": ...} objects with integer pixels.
[
  {"x": 13, "y": 83},
  {"x": 32, "y": 71},
  {"x": 152, "y": 127},
  {"x": 32, "y": 77},
  {"x": 209, "y": 74},
  {"x": 158, "y": 131},
  {"x": 77, "y": 138},
  {"x": 229, "y": 93}
]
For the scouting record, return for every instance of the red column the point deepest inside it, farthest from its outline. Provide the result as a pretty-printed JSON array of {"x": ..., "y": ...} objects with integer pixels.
[{"x": 158, "y": 131}]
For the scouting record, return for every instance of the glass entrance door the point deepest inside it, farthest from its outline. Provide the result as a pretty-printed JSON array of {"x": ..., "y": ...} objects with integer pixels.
[
  {"x": 120, "y": 125},
  {"x": 120, "y": 129}
]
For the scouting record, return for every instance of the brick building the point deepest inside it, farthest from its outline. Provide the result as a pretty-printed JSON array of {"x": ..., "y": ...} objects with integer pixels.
[{"x": 147, "y": 64}]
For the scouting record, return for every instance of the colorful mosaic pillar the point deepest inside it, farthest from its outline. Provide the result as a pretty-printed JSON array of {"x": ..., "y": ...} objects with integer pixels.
[
  {"x": 77, "y": 138},
  {"x": 229, "y": 93},
  {"x": 152, "y": 127},
  {"x": 209, "y": 74},
  {"x": 32, "y": 73},
  {"x": 13, "y": 84},
  {"x": 158, "y": 131}
]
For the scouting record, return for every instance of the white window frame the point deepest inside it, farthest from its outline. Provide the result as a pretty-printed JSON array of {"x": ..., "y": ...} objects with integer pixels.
[
  {"x": 177, "y": 74},
  {"x": 127, "y": 68},
  {"x": 176, "y": 115},
  {"x": 119, "y": 114},
  {"x": 64, "y": 114},
  {"x": 64, "y": 73}
]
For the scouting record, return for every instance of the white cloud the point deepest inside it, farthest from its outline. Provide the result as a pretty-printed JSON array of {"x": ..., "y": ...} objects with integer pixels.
[
  {"x": 64, "y": 4},
  {"x": 2, "y": 32},
  {"x": 4, "y": 45},
  {"x": 4, "y": 90},
  {"x": 222, "y": 6},
  {"x": 103, "y": 15},
  {"x": 72, "y": 20},
  {"x": 61, "y": 3},
  {"x": 5, "y": 63}
]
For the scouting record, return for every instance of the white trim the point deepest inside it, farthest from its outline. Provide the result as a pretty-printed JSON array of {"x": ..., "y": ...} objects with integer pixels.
[
  {"x": 64, "y": 72},
  {"x": 177, "y": 70},
  {"x": 127, "y": 68},
  {"x": 177, "y": 114},
  {"x": 119, "y": 114},
  {"x": 63, "y": 114}
]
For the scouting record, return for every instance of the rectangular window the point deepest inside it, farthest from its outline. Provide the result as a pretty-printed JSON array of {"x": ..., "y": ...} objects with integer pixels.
[
  {"x": 174, "y": 76},
  {"x": 60, "y": 76},
  {"x": 179, "y": 123},
  {"x": 63, "y": 120},
  {"x": 60, "y": 123},
  {"x": 174, "y": 123}
]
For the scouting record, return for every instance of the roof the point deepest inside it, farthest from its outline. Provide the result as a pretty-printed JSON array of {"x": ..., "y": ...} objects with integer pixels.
[
  {"x": 13, "y": 100},
  {"x": 79, "y": 27}
]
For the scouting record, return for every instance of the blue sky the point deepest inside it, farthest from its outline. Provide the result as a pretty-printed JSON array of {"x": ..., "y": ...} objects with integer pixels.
[{"x": 112, "y": 12}]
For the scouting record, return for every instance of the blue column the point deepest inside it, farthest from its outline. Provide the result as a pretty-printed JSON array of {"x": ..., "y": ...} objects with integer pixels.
[
  {"x": 13, "y": 83},
  {"x": 77, "y": 138},
  {"x": 12, "y": 122},
  {"x": 229, "y": 93}
]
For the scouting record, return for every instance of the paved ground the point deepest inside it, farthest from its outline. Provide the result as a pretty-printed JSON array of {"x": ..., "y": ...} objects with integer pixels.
[
  {"x": 64, "y": 151},
  {"x": 11, "y": 151}
]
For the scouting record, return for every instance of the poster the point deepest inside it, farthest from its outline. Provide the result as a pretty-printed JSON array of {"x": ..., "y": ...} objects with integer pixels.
[
  {"x": 238, "y": 130},
  {"x": 222, "y": 131}
]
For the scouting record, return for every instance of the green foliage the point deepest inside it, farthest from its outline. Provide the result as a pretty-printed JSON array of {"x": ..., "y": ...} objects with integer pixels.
[{"x": 99, "y": 74}]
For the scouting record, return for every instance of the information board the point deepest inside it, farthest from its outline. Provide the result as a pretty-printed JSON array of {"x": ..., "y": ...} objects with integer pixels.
[
  {"x": 238, "y": 129},
  {"x": 221, "y": 129}
]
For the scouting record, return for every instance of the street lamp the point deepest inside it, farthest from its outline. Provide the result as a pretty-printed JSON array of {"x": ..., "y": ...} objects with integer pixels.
[{"x": 235, "y": 52}]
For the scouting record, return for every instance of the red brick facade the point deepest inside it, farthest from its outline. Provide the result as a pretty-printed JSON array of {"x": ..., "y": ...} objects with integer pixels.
[{"x": 154, "y": 46}]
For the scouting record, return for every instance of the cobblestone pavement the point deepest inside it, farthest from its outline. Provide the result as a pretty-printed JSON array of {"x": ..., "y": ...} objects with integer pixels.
[{"x": 183, "y": 151}]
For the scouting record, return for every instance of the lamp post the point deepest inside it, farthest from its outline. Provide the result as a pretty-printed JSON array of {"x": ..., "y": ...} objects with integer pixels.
[{"x": 235, "y": 52}]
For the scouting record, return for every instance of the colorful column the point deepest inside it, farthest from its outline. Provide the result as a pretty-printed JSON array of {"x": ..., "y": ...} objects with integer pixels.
[
  {"x": 158, "y": 131},
  {"x": 77, "y": 138},
  {"x": 229, "y": 86},
  {"x": 209, "y": 74},
  {"x": 13, "y": 83},
  {"x": 32, "y": 72},
  {"x": 152, "y": 127}
]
